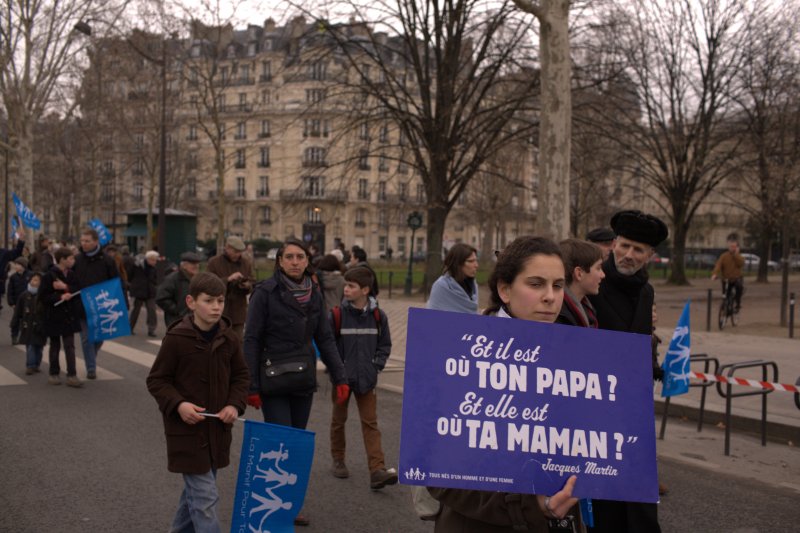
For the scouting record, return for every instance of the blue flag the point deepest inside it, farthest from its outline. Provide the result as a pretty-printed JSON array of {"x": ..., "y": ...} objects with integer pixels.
[
  {"x": 27, "y": 216},
  {"x": 676, "y": 363},
  {"x": 102, "y": 231},
  {"x": 273, "y": 476},
  {"x": 14, "y": 225},
  {"x": 106, "y": 311}
]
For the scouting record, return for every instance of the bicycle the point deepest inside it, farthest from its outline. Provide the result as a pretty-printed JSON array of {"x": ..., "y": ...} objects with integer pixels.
[{"x": 727, "y": 307}]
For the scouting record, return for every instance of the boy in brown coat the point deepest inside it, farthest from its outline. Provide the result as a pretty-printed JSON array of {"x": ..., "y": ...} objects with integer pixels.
[{"x": 200, "y": 369}]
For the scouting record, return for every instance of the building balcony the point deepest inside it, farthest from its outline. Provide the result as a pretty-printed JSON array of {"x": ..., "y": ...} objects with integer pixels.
[
  {"x": 301, "y": 194},
  {"x": 238, "y": 221},
  {"x": 265, "y": 221},
  {"x": 361, "y": 224},
  {"x": 263, "y": 135},
  {"x": 263, "y": 164},
  {"x": 265, "y": 78},
  {"x": 315, "y": 164}
]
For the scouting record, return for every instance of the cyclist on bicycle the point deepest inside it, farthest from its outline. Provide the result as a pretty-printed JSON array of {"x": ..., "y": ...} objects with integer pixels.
[{"x": 729, "y": 268}]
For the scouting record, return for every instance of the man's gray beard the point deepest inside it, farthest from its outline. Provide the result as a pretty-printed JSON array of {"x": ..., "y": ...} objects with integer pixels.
[{"x": 626, "y": 271}]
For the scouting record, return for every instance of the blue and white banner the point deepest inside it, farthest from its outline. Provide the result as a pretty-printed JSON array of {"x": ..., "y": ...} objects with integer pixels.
[
  {"x": 273, "y": 476},
  {"x": 676, "y": 363},
  {"x": 102, "y": 231},
  {"x": 26, "y": 215},
  {"x": 499, "y": 404},
  {"x": 106, "y": 311},
  {"x": 14, "y": 226}
]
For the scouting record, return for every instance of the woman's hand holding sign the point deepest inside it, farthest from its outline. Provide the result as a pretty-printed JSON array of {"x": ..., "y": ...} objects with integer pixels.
[{"x": 557, "y": 505}]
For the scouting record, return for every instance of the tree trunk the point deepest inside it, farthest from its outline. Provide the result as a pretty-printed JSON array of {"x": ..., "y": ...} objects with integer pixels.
[
  {"x": 437, "y": 216},
  {"x": 677, "y": 273},
  {"x": 23, "y": 156},
  {"x": 785, "y": 249},
  {"x": 220, "y": 202},
  {"x": 552, "y": 219},
  {"x": 764, "y": 245},
  {"x": 487, "y": 246}
]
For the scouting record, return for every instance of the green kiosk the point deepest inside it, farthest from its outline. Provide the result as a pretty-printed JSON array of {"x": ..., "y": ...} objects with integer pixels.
[{"x": 181, "y": 232}]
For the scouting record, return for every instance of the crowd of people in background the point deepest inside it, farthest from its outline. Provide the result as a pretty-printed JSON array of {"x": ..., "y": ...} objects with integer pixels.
[{"x": 324, "y": 306}]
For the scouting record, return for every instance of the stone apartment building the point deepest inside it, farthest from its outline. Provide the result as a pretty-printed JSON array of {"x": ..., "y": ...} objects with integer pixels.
[{"x": 301, "y": 156}]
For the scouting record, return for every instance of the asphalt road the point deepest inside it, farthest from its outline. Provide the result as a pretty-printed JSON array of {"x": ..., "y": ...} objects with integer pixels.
[{"x": 93, "y": 459}]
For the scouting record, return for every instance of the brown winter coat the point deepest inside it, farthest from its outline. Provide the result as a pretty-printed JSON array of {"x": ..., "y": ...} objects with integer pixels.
[
  {"x": 236, "y": 296},
  {"x": 475, "y": 511},
  {"x": 211, "y": 375},
  {"x": 729, "y": 265}
]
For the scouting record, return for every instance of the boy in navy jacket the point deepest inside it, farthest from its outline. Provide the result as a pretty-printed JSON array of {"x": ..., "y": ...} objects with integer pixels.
[{"x": 364, "y": 343}]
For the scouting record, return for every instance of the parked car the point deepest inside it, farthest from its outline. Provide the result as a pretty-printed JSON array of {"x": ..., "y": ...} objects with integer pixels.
[
  {"x": 751, "y": 262},
  {"x": 700, "y": 260},
  {"x": 272, "y": 254},
  {"x": 658, "y": 259}
]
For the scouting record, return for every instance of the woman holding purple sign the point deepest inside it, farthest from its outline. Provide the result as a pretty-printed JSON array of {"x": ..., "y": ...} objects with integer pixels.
[{"x": 528, "y": 284}]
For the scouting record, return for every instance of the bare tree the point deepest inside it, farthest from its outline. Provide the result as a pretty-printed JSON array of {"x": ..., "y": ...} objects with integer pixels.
[
  {"x": 37, "y": 51},
  {"x": 674, "y": 102},
  {"x": 450, "y": 76},
  {"x": 768, "y": 111}
]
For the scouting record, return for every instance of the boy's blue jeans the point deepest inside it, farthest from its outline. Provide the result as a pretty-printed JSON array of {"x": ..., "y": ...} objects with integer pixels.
[
  {"x": 33, "y": 355},
  {"x": 197, "y": 509},
  {"x": 90, "y": 349}
]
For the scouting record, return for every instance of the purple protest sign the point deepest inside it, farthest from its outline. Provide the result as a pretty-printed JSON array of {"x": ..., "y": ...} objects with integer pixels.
[{"x": 507, "y": 405}]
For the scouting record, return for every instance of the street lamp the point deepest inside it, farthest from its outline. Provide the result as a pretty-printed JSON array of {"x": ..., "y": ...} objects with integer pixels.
[
  {"x": 86, "y": 29},
  {"x": 414, "y": 222}
]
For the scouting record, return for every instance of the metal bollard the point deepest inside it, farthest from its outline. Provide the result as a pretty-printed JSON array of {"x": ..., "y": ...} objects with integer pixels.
[
  {"x": 791, "y": 315},
  {"x": 708, "y": 310}
]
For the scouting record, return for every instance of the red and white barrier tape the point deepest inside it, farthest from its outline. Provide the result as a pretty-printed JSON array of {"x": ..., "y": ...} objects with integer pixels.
[{"x": 746, "y": 382}]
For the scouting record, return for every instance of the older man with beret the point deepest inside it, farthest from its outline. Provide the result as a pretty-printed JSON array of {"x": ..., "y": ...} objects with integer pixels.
[
  {"x": 625, "y": 303},
  {"x": 171, "y": 294},
  {"x": 233, "y": 268}
]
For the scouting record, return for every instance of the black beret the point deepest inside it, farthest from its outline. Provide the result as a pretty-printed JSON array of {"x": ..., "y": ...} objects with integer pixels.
[
  {"x": 191, "y": 257},
  {"x": 639, "y": 227},
  {"x": 600, "y": 235}
]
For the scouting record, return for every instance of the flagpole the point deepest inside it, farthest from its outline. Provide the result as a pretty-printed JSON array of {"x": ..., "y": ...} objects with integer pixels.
[
  {"x": 62, "y": 301},
  {"x": 217, "y": 416}
]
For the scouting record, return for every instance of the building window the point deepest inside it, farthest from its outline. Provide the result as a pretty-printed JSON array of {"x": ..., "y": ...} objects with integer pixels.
[
  {"x": 191, "y": 160},
  {"x": 314, "y": 157},
  {"x": 243, "y": 102},
  {"x": 315, "y": 96},
  {"x": 252, "y": 48},
  {"x": 266, "y": 214},
  {"x": 318, "y": 70},
  {"x": 244, "y": 73},
  {"x": 263, "y": 186},
  {"x": 420, "y": 244},
  {"x": 401, "y": 244},
  {"x": 138, "y": 191},
  {"x": 360, "y": 215},
  {"x": 314, "y": 214},
  {"x": 363, "y": 131},
  {"x": 138, "y": 140},
  {"x": 402, "y": 191},
  {"x": 263, "y": 160},
  {"x": 402, "y": 167},
  {"x": 363, "y": 160},
  {"x": 241, "y": 131},
  {"x": 241, "y": 162},
  {"x": 462, "y": 199},
  {"x": 402, "y": 139},
  {"x": 266, "y": 71},
  {"x": 265, "y": 130},
  {"x": 383, "y": 165},
  {"x": 223, "y": 74},
  {"x": 384, "y": 133},
  {"x": 382, "y": 218},
  {"x": 420, "y": 193},
  {"x": 240, "y": 192},
  {"x": 382, "y": 243},
  {"x": 314, "y": 187},
  {"x": 381, "y": 191},
  {"x": 192, "y": 133},
  {"x": 221, "y": 102},
  {"x": 191, "y": 187},
  {"x": 363, "y": 189},
  {"x": 138, "y": 167},
  {"x": 106, "y": 193},
  {"x": 238, "y": 215}
]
